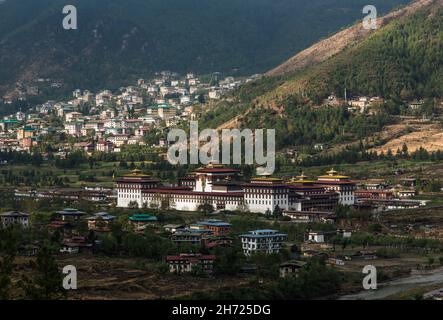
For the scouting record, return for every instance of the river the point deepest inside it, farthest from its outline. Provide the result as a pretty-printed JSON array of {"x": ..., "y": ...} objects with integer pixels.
[{"x": 417, "y": 279}]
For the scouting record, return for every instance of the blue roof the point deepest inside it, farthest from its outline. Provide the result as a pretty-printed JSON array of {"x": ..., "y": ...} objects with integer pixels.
[
  {"x": 198, "y": 230},
  {"x": 250, "y": 235},
  {"x": 143, "y": 217},
  {"x": 193, "y": 231},
  {"x": 264, "y": 233},
  {"x": 70, "y": 211},
  {"x": 216, "y": 223},
  {"x": 102, "y": 215}
]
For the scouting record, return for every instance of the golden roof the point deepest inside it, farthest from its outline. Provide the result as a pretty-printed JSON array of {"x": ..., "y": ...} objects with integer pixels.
[
  {"x": 334, "y": 177},
  {"x": 266, "y": 179},
  {"x": 300, "y": 179},
  {"x": 332, "y": 174},
  {"x": 138, "y": 173},
  {"x": 213, "y": 165}
]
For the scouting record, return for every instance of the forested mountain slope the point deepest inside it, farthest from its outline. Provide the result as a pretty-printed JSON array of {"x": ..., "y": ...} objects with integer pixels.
[
  {"x": 119, "y": 41},
  {"x": 401, "y": 61}
]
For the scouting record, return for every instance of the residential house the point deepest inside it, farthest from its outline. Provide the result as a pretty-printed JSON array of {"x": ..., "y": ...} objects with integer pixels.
[
  {"x": 70, "y": 214},
  {"x": 406, "y": 193},
  {"x": 76, "y": 245},
  {"x": 141, "y": 220},
  {"x": 73, "y": 116},
  {"x": 193, "y": 237},
  {"x": 100, "y": 221},
  {"x": 104, "y": 146},
  {"x": 218, "y": 227},
  {"x": 267, "y": 241},
  {"x": 290, "y": 268},
  {"x": 14, "y": 218},
  {"x": 320, "y": 236},
  {"x": 187, "y": 262}
]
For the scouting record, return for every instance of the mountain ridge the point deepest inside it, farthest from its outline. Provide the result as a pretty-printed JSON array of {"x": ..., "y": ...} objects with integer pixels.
[
  {"x": 400, "y": 62},
  {"x": 121, "y": 41},
  {"x": 326, "y": 48},
  {"x": 311, "y": 79}
]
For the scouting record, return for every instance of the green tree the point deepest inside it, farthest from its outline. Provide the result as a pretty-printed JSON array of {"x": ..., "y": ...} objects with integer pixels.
[
  {"x": 277, "y": 212},
  {"x": 228, "y": 261},
  {"x": 9, "y": 238},
  {"x": 46, "y": 284}
]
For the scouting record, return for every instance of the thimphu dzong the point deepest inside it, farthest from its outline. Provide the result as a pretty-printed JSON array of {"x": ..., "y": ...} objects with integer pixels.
[{"x": 221, "y": 188}]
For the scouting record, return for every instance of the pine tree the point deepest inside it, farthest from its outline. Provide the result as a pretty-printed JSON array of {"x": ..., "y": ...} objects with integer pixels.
[{"x": 47, "y": 283}]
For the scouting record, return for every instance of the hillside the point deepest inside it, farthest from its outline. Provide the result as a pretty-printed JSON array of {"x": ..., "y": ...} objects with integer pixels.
[
  {"x": 119, "y": 41},
  {"x": 327, "y": 48},
  {"x": 400, "y": 61}
]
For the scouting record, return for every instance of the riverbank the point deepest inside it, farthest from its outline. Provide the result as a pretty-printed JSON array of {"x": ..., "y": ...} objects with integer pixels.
[{"x": 417, "y": 283}]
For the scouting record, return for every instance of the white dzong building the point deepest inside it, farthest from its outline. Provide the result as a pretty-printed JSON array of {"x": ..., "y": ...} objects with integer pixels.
[
  {"x": 131, "y": 187},
  {"x": 212, "y": 185},
  {"x": 343, "y": 185},
  {"x": 265, "y": 194},
  {"x": 217, "y": 186}
]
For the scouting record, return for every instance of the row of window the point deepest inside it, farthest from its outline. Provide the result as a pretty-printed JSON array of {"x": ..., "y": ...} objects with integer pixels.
[
  {"x": 265, "y": 196},
  {"x": 127, "y": 196},
  {"x": 273, "y": 191},
  {"x": 266, "y": 202}
]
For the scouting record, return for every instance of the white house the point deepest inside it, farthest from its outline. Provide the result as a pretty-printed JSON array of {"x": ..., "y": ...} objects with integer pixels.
[
  {"x": 318, "y": 237},
  {"x": 267, "y": 241}
]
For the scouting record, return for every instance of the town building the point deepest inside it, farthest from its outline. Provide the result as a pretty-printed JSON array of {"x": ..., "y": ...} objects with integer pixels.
[
  {"x": 213, "y": 241},
  {"x": 25, "y": 132},
  {"x": 70, "y": 214},
  {"x": 306, "y": 195},
  {"x": 173, "y": 227},
  {"x": 75, "y": 245},
  {"x": 218, "y": 187},
  {"x": 374, "y": 194},
  {"x": 308, "y": 216},
  {"x": 217, "y": 227},
  {"x": 100, "y": 221},
  {"x": 320, "y": 236},
  {"x": 406, "y": 193},
  {"x": 140, "y": 220},
  {"x": 14, "y": 218},
  {"x": 265, "y": 194},
  {"x": 131, "y": 187},
  {"x": 189, "y": 236},
  {"x": 184, "y": 263},
  {"x": 74, "y": 128},
  {"x": 267, "y": 241},
  {"x": 290, "y": 268},
  {"x": 345, "y": 233},
  {"x": 343, "y": 185},
  {"x": 104, "y": 146}
]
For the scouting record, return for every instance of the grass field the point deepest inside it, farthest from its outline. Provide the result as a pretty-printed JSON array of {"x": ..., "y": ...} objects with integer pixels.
[{"x": 105, "y": 278}]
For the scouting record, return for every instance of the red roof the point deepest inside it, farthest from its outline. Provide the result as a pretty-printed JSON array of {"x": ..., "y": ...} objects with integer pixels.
[
  {"x": 58, "y": 224},
  {"x": 136, "y": 179},
  {"x": 304, "y": 187},
  {"x": 188, "y": 178},
  {"x": 217, "y": 170},
  {"x": 184, "y": 190},
  {"x": 373, "y": 191},
  {"x": 320, "y": 182},
  {"x": 265, "y": 185},
  {"x": 190, "y": 257}
]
